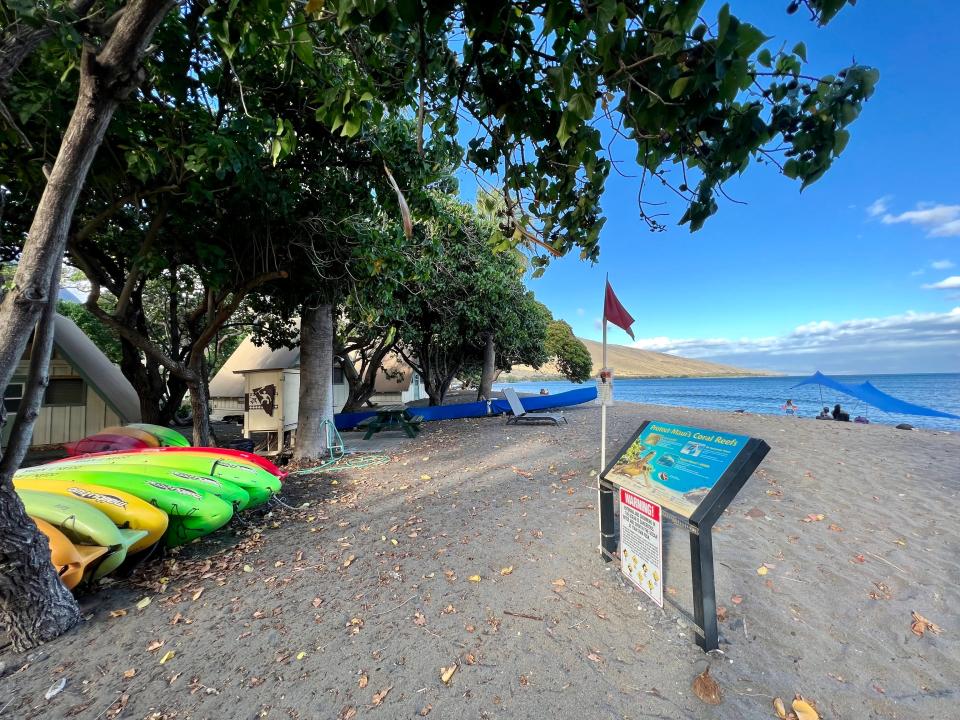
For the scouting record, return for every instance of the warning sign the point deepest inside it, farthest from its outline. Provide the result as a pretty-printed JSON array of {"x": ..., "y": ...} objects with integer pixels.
[
  {"x": 641, "y": 544},
  {"x": 605, "y": 387}
]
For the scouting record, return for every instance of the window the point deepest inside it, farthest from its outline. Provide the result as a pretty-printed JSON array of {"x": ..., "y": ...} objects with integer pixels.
[
  {"x": 64, "y": 391},
  {"x": 12, "y": 396}
]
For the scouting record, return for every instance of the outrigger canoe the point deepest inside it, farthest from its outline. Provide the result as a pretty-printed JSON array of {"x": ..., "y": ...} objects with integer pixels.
[
  {"x": 83, "y": 525},
  {"x": 71, "y": 561},
  {"x": 258, "y": 483},
  {"x": 192, "y": 513},
  {"x": 124, "y": 509}
]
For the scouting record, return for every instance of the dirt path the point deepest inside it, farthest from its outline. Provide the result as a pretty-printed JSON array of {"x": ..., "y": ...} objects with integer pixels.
[{"x": 475, "y": 549}]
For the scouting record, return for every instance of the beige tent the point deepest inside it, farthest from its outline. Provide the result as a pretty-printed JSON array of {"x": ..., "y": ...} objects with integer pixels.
[{"x": 86, "y": 393}]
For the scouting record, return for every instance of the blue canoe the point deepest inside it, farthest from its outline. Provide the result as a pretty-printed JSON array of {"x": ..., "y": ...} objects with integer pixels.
[{"x": 345, "y": 421}]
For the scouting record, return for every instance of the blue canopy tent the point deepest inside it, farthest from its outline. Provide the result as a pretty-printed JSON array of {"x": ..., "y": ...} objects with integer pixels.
[{"x": 869, "y": 394}]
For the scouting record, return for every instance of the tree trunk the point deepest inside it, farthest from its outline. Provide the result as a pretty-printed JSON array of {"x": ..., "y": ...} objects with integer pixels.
[
  {"x": 316, "y": 380},
  {"x": 489, "y": 369},
  {"x": 34, "y": 604},
  {"x": 199, "y": 403}
]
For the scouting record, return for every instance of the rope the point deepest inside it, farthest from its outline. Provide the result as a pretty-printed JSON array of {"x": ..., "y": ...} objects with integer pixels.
[{"x": 357, "y": 462}]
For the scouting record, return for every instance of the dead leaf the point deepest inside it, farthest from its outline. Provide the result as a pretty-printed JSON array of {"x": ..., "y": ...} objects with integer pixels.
[
  {"x": 474, "y": 578},
  {"x": 805, "y": 709},
  {"x": 859, "y": 559},
  {"x": 56, "y": 688},
  {"x": 470, "y": 658},
  {"x": 522, "y": 473},
  {"x": 721, "y": 614},
  {"x": 755, "y": 512},
  {"x": 762, "y": 570},
  {"x": 706, "y": 688},
  {"x": 127, "y": 674},
  {"x": 834, "y": 527},
  {"x": 779, "y": 708},
  {"x": 507, "y": 570},
  {"x": 419, "y": 619},
  {"x": 920, "y": 624},
  {"x": 524, "y": 680},
  {"x": 736, "y": 599},
  {"x": 559, "y": 582},
  {"x": 426, "y": 710},
  {"x": 118, "y": 613},
  {"x": 596, "y": 658},
  {"x": 446, "y": 673},
  {"x": 346, "y": 563},
  {"x": 317, "y": 602},
  {"x": 404, "y": 208},
  {"x": 363, "y": 681},
  {"x": 143, "y": 603},
  {"x": 198, "y": 593},
  {"x": 155, "y": 645},
  {"x": 168, "y": 655},
  {"x": 381, "y": 696},
  {"x": 348, "y": 713},
  {"x": 814, "y": 517}
]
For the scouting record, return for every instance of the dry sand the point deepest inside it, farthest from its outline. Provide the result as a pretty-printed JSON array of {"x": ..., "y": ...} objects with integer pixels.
[{"x": 830, "y": 619}]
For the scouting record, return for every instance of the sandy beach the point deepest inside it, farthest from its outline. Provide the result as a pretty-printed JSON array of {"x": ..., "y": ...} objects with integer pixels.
[{"x": 474, "y": 548}]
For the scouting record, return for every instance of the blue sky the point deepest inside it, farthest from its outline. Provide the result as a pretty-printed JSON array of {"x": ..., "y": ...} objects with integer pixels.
[{"x": 836, "y": 278}]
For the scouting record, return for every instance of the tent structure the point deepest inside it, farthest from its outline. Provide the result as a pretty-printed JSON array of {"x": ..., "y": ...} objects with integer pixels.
[{"x": 871, "y": 395}]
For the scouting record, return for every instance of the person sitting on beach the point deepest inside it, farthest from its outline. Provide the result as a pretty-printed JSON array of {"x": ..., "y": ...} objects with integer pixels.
[
  {"x": 839, "y": 414},
  {"x": 825, "y": 414},
  {"x": 789, "y": 408},
  {"x": 544, "y": 391}
]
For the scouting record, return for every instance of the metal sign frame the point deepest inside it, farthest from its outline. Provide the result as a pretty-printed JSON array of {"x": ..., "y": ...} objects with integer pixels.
[{"x": 699, "y": 526}]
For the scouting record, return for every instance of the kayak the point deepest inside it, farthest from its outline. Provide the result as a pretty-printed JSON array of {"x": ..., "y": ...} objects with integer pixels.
[
  {"x": 124, "y": 509},
  {"x": 71, "y": 561},
  {"x": 259, "y": 484},
  {"x": 83, "y": 525},
  {"x": 149, "y": 438},
  {"x": 167, "y": 437},
  {"x": 192, "y": 513},
  {"x": 224, "y": 453},
  {"x": 103, "y": 442},
  {"x": 223, "y": 489}
]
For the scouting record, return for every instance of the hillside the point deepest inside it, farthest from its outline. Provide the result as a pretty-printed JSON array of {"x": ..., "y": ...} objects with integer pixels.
[{"x": 628, "y": 362}]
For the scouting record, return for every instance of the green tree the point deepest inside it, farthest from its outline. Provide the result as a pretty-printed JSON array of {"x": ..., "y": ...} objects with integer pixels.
[
  {"x": 102, "y": 336},
  {"x": 566, "y": 350}
]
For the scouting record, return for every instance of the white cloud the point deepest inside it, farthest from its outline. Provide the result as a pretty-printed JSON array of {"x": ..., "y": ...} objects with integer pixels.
[
  {"x": 916, "y": 273},
  {"x": 909, "y": 342},
  {"x": 941, "y": 264},
  {"x": 938, "y": 220},
  {"x": 879, "y": 206},
  {"x": 950, "y": 283}
]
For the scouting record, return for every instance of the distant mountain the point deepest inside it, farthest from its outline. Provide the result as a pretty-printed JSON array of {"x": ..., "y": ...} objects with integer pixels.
[{"x": 628, "y": 362}]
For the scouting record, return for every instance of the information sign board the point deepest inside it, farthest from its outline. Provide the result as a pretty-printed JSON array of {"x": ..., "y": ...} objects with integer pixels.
[
  {"x": 641, "y": 544},
  {"x": 605, "y": 387}
]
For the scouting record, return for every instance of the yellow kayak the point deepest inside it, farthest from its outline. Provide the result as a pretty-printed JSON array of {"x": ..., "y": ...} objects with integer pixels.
[
  {"x": 70, "y": 560},
  {"x": 124, "y": 509}
]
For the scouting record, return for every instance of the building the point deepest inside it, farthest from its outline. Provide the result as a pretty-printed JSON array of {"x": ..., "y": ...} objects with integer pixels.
[
  {"x": 261, "y": 388},
  {"x": 86, "y": 393}
]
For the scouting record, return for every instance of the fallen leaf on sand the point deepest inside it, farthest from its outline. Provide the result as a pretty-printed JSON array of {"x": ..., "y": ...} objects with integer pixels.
[
  {"x": 804, "y": 709},
  {"x": 419, "y": 619},
  {"x": 474, "y": 578},
  {"x": 155, "y": 645},
  {"x": 722, "y": 614},
  {"x": 596, "y": 658},
  {"x": 425, "y": 477},
  {"x": 920, "y": 624},
  {"x": 56, "y": 688},
  {"x": 446, "y": 673},
  {"x": 426, "y": 710},
  {"x": 348, "y": 713},
  {"x": 706, "y": 688},
  {"x": 755, "y": 512},
  {"x": 346, "y": 563},
  {"x": 779, "y": 708},
  {"x": 248, "y": 568},
  {"x": 301, "y": 655},
  {"x": 118, "y": 613},
  {"x": 127, "y": 674},
  {"x": 522, "y": 473},
  {"x": 814, "y": 517},
  {"x": 559, "y": 582},
  {"x": 317, "y": 602},
  {"x": 470, "y": 658},
  {"x": 143, "y": 603},
  {"x": 507, "y": 570},
  {"x": 168, "y": 655},
  {"x": 362, "y": 683},
  {"x": 198, "y": 593},
  {"x": 859, "y": 559},
  {"x": 736, "y": 599},
  {"x": 381, "y": 696},
  {"x": 834, "y": 527},
  {"x": 762, "y": 570}
]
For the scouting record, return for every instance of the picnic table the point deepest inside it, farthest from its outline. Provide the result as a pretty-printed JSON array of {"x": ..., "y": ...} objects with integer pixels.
[{"x": 394, "y": 417}]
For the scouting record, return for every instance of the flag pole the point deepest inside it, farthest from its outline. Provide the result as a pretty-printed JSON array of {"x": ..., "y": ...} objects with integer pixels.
[{"x": 603, "y": 406}]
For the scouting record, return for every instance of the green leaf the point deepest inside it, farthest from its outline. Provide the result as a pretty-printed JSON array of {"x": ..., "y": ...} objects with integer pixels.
[
  {"x": 676, "y": 90},
  {"x": 800, "y": 49},
  {"x": 723, "y": 23},
  {"x": 351, "y": 127},
  {"x": 764, "y": 58},
  {"x": 791, "y": 168},
  {"x": 840, "y": 140}
]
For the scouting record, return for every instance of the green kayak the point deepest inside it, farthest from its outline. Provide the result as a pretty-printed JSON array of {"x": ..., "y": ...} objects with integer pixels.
[
  {"x": 83, "y": 525},
  {"x": 259, "y": 484},
  {"x": 168, "y": 437},
  {"x": 233, "y": 494},
  {"x": 193, "y": 513}
]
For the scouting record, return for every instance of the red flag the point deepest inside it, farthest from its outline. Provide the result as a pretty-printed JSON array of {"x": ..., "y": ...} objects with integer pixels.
[{"x": 616, "y": 313}]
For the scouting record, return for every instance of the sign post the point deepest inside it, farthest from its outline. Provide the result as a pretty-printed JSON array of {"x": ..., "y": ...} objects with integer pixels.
[{"x": 688, "y": 476}]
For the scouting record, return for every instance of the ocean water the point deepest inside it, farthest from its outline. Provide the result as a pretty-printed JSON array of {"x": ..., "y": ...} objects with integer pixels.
[{"x": 768, "y": 394}]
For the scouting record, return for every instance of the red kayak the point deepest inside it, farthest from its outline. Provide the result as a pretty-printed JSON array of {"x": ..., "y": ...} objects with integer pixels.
[
  {"x": 105, "y": 442},
  {"x": 223, "y": 452}
]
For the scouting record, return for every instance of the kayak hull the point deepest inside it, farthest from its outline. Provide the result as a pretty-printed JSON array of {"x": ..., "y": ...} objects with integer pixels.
[
  {"x": 69, "y": 560},
  {"x": 167, "y": 437},
  {"x": 124, "y": 509}
]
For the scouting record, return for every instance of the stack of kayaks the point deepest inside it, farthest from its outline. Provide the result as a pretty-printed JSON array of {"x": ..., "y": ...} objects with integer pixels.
[{"x": 103, "y": 509}]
